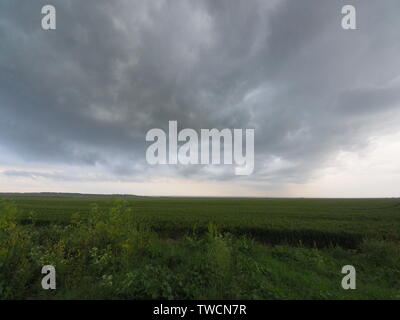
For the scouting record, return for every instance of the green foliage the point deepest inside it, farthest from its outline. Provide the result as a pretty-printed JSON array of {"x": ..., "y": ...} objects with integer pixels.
[
  {"x": 382, "y": 252},
  {"x": 114, "y": 251},
  {"x": 318, "y": 223}
]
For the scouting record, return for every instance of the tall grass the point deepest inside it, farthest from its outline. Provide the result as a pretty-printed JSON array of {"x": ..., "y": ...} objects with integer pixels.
[{"x": 111, "y": 253}]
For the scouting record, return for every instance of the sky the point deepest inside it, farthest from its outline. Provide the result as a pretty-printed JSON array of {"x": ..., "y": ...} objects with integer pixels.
[{"x": 324, "y": 102}]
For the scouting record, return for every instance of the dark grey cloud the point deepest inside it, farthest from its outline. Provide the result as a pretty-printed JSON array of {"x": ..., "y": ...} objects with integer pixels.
[{"x": 87, "y": 93}]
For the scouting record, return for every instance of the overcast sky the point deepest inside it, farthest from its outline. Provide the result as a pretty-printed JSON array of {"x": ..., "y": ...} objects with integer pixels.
[{"x": 76, "y": 102}]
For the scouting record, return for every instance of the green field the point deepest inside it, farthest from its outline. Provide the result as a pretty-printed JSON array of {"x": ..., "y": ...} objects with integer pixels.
[{"x": 199, "y": 248}]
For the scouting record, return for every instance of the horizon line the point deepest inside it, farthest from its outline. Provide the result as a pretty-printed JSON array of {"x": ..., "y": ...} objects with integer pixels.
[{"x": 71, "y": 194}]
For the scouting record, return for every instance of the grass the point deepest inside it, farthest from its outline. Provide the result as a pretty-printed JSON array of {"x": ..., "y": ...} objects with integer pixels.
[
  {"x": 322, "y": 222},
  {"x": 166, "y": 248}
]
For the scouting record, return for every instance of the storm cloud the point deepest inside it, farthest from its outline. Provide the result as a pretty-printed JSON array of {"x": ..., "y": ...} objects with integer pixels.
[{"x": 85, "y": 94}]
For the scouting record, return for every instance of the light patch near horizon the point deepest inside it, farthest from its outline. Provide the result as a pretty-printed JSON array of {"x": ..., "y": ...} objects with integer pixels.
[{"x": 374, "y": 172}]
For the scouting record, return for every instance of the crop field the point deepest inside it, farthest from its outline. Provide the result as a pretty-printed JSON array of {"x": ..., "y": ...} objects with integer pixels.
[{"x": 199, "y": 248}]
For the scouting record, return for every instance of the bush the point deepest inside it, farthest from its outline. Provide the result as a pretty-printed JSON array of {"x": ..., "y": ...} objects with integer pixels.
[{"x": 381, "y": 252}]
